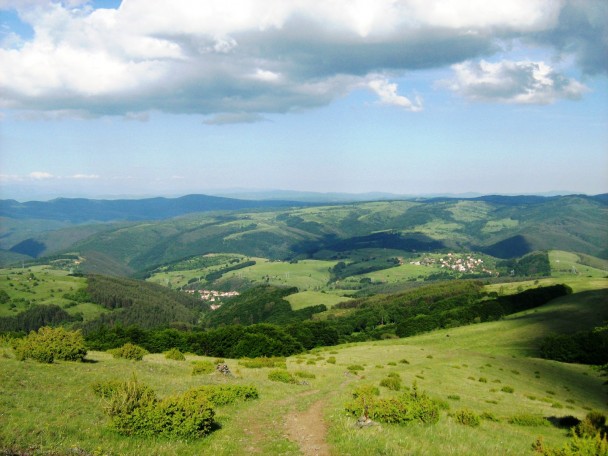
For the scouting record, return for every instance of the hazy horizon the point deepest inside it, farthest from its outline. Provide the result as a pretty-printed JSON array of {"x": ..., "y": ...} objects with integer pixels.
[{"x": 105, "y": 98}]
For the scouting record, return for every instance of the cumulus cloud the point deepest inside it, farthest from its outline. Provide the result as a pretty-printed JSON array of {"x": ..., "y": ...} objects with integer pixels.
[
  {"x": 388, "y": 95},
  {"x": 513, "y": 82},
  {"x": 222, "y": 57}
]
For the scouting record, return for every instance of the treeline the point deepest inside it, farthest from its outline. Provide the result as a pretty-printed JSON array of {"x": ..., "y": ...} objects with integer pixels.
[
  {"x": 585, "y": 347},
  {"x": 212, "y": 276},
  {"x": 36, "y": 317},
  {"x": 260, "y": 304},
  {"x": 459, "y": 310},
  {"x": 342, "y": 270},
  {"x": 532, "y": 265},
  {"x": 234, "y": 341}
]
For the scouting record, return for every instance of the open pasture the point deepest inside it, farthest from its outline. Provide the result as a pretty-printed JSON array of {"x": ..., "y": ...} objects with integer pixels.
[{"x": 488, "y": 368}]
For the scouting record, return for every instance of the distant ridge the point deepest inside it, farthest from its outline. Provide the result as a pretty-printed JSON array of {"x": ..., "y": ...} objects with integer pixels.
[{"x": 79, "y": 210}]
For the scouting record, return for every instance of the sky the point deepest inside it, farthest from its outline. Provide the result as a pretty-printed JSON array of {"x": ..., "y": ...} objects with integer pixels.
[{"x": 134, "y": 98}]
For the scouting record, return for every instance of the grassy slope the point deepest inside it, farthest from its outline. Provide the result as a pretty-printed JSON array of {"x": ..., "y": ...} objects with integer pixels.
[
  {"x": 48, "y": 287},
  {"x": 439, "y": 364}
]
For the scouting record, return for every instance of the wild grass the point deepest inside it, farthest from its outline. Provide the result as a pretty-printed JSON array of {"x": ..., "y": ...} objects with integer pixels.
[{"x": 52, "y": 408}]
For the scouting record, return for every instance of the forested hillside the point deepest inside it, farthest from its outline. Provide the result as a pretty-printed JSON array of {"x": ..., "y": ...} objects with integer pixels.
[{"x": 504, "y": 227}]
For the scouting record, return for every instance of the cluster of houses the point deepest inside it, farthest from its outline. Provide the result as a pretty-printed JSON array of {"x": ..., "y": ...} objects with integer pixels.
[
  {"x": 213, "y": 296},
  {"x": 456, "y": 263}
]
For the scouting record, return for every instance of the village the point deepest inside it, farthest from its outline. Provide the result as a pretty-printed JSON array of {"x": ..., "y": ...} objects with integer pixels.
[
  {"x": 213, "y": 296},
  {"x": 464, "y": 264}
]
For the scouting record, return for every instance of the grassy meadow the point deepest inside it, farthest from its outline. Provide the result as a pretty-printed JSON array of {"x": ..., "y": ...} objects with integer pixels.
[
  {"x": 43, "y": 284},
  {"x": 488, "y": 368}
]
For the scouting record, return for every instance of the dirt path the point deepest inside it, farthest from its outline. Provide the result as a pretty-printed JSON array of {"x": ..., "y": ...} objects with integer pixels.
[{"x": 308, "y": 430}]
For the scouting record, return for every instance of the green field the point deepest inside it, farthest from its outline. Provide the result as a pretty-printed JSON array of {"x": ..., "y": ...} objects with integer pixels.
[
  {"x": 312, "y": 298},
  {"x": 51, "y": 408},
  {"x": 568, "y": 264},
  {"x": 43, "y": 285}
]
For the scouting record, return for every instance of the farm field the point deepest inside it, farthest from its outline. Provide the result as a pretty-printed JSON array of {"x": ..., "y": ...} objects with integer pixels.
[{"x": 465, "y": 367}]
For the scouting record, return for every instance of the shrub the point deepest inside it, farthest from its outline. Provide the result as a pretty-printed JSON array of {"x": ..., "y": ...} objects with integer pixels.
[
  {"x": 256, "y": 363},
  {"x": 49, "y": 344},
  {"x": 175, "y": 354},
  {"x": 134, "y": 410},
  {"x": 489, "y": 417},
  {"x": 594, "y": 423},
  {"x": 220, "y": 395},
  {"x": 202, "y": 367},
  {"x": 404, "y": 361},
  {"x": 354, "y": 368},
  {"x": 466, "y": 417},
  {"x": 281, "y": 376},
  {"x": 129, "y": 351},
  {"x": 525, "y": 419},
  {"x": 577, "y": 446},
  {"x": 483, "y": 380},
  {"x": 331, "y": 360},
  {"x": 507, "y": 389},
  {"x": 304, "y": 374},
  {"x": 454, "y": 397},
  {"x": 391, "y": 382},
  {"x": 391, "y": 363},
  {"x": 407, "y": 407}
]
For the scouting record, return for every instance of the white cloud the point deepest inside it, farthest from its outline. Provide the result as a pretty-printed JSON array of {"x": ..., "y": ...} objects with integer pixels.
[
  {"x": 84, "y": 176},
  {"x": 39, "y": 175},
  {"x": 387, "y": 92},
  {"x": 513, "y": 82},
  {"x": 256, "y": 56}
]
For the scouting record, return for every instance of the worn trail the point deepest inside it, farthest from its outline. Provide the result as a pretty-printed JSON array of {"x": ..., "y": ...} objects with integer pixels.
[{"x": 308, "y": 430}]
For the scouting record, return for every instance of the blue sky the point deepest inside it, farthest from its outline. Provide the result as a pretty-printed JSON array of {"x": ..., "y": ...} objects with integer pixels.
[{"x": 108, "y": 99}]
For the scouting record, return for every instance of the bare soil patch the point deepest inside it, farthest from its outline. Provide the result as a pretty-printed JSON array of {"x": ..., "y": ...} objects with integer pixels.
[{"x": 308, "y": 430}]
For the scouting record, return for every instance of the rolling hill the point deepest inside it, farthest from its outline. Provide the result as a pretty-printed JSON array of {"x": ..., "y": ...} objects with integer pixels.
[{"x": 504, "y": 227}]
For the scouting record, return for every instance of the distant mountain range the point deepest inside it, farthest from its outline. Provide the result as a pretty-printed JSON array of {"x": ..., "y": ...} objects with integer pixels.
[
  {"x": 79, "y": 210},
  {"x": 128, "y": 236}
]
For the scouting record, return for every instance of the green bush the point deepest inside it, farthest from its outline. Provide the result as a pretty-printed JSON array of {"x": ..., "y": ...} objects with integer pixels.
[
  {"x": 407, "y": 407},
  {"x": 202, "y": 367},
  {"x": 507, "y": 389},
  {"x": 134, "y": 410},
  {"x": 577, "y": 446},
  {"x": 175, "y": 354},
  {"x": 304, "y": 374},
  {"x": 331, "y": 360},
  {"x": 256, "y": 363},
  {"x": 454, "y": 397},
  {"x": 354, "y": 368},
  {"x": 281, "y": 376},
  {"x": 129, "y": 351},
  {"x": 391, "y": 382},
  {"x": 220, "y": 395},
  {"x": 467, "y": 417},
  {"x": 49, "y": 344},
  {"x": 594, "y": 423}
]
